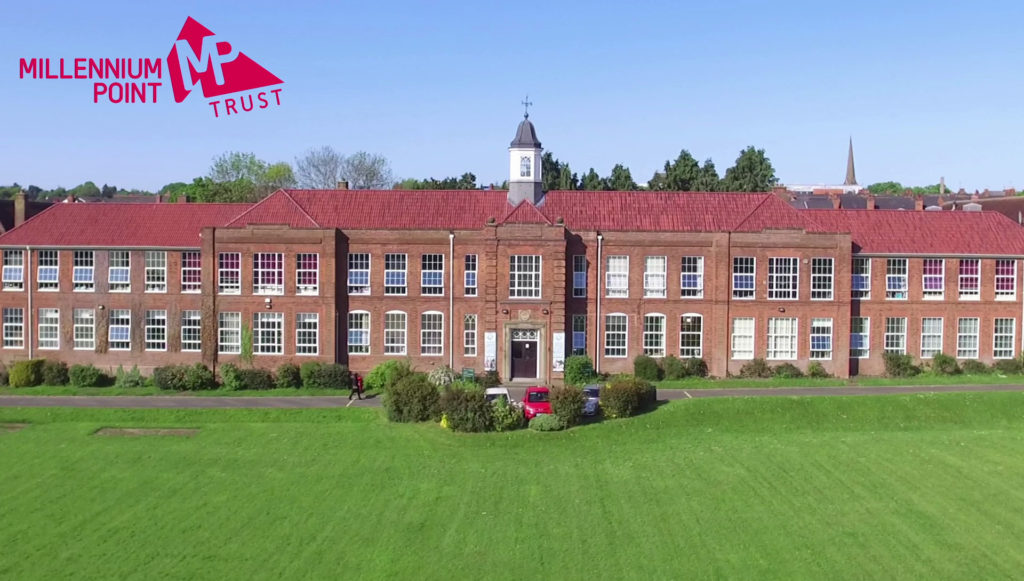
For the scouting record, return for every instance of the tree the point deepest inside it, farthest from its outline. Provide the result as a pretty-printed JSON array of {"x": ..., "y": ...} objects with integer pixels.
[
  {"x": 465, "y": 182},
  {"x": 86, "y": 190},
  {"x": 753, "y": 172},
  {"x": 235, "y": 165},
  {"x": 550, "y": 171},
  {"x": 108, "y": 191},
  {"x": 367, "y": 171},
  {"x": 680, "y": 175},
  {"x": 278, "y": 175},
  {"x": 886, "y": 188},
  {"x": 707, "y": 178},
  {"x": 592, "y": 182},
  {"x": 621, "y": 180},
  {"x": 320, "y": 168},
  {"x": 174, "y": 190}
]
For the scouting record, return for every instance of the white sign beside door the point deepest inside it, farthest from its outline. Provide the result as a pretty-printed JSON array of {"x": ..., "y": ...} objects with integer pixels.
[
  {"x": 490, "y": 351},
  {"x": 558, "y": 351}
]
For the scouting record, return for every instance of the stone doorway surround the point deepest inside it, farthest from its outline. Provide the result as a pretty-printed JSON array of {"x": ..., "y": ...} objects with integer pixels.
[{"x": 543, "y": 359}]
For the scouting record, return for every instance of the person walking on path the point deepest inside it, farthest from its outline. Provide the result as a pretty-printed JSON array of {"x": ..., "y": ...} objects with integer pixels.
[{"x": 357, "y": 387}]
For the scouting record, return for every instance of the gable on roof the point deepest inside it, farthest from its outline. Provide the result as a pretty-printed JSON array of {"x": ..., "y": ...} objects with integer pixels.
[
  {"x": 525, "y": 213},
  {"x": 277, "y": 208}
]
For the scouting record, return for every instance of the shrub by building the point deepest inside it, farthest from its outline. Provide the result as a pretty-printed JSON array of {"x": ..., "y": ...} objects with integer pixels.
[
  {"x": 467, "y": 410},
  {"x": 567, "y": 403},
  {"x": 412, "y": 399},
  {"x": 627, "y": 396}
]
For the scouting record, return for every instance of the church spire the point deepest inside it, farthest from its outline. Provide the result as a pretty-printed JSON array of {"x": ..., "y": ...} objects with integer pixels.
[{"x": 851, "y": 175}]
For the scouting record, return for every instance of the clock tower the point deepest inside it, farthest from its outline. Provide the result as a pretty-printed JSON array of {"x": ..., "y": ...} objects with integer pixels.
[{"x": 524, "y": 179}]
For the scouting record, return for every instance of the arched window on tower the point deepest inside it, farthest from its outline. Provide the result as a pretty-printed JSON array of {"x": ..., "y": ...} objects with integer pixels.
[{"x": 524, "y": 166}]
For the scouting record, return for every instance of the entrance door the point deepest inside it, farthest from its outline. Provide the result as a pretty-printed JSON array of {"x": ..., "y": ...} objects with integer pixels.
[{"x": 524, "y": 354}]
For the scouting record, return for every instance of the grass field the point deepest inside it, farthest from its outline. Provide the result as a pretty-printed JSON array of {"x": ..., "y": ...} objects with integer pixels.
[
  {"x": 864, "y": 381},
  {"x": 72, "y": 390},
  {"x": 886, "y": 487}
]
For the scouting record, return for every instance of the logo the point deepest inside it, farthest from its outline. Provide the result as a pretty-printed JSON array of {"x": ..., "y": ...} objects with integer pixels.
[{"x": 232, "y": 81}]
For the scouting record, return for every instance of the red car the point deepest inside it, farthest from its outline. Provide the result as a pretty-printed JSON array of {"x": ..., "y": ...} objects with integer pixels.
[{"x": 536, "y": 401}]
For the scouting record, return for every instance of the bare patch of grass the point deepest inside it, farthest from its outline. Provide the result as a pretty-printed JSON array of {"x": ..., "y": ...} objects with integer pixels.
[
  {"x": 9, "y": 428},
  {"x": 135, "y": 432}
]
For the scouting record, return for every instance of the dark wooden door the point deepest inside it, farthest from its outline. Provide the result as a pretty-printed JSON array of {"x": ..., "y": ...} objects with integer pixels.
[{"x": 524, "y": 359}]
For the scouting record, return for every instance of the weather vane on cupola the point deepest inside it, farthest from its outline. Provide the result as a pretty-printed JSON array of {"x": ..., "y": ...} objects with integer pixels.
[{"x": 526, "y": 107}]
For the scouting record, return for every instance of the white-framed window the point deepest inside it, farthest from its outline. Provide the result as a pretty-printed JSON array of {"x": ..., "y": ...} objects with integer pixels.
[
  {"x": 822, "y": 278},
  {"x": 691, "y": 277},
  {"x": 654, "y": 335},
  {"x": 395, "y": 266},
  {"x": 432, "y": 274},
  {"x": 359, "y": 273},
  {"x": 896, "y": 278},
  {"x": 14, "y": 328},
  {"x": 860, "y": 337},
  {"x": 615, "y": 335},
  {"x": 229, "y": 333},
  {"x": 1006, "y": 280},
  {"x": 931, "y": 337},
  {"x": 84, "y": 329},
  {"x": 119, "y": 271},
  {"x": 524, "y": 166},
  {"x": 579, "y": 334},
  {"x": 470, "y": 275},
  {"x": 49, "y": 328},
  {"x": 860, "y": 279},
  {"x": 744, "y": 269},
  {"x": 821, "y": 338},
  {"x": 432, "y": 333},
  {"x": 782, "y": 338},
  {"x": 968, "y": 330},
  {"x": 616, "y": 277},
  {"x": 307, "y": 274},
  {"x": 359, "y": 333},
  {"x": 524, "y": 276},
  {"x": 742, "y": 338},
  {"x": 229, "y": 274},
  {"x": 579, "y": 276},
  {"x": 655, "y": 283},
  {"x": 119, "y": 330},
  {"x": 933, "y": 278},
  {"x": 691, "y": 335},
  {"x": 156, "y": 271},
  {"x": 191, "y": 331},
  {"x": 156, "y": 330},
  {"x": 268, "y": 333},
  {"x": 307, "y": 333},
  {"x": 267, "y": 274},
  {"x": 895, "y": 338},
  {"x": 14, "y": 270},
  {"x": 191, "y": 271},
  {"x": 83, "y": 271},
  {"x": 969, "y": 280},
  {"x": 394, "y": 333},
  {"x": 783, "y": 278},
  {"x": 48, "y": 270},
  {"x": 469, "y": 335},
  {"x": 1003, "y": 338}
]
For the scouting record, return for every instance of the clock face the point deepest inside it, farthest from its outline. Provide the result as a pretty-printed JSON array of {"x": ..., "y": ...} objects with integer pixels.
[{"x": 524, "y": 166}]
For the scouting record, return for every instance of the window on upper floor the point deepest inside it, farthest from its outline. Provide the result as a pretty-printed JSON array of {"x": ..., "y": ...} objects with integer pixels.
[
  {"x": 268, "y": 273},
  {"x": 933, "y": 278},
  {"x": 896, "y": 278},
  {"x": 822, "y": 279},
  {"x": 119, "y": 271},
  {"x": 691, "y": 277},
  {"x": 743, "y": 272},
  {"x": 616, "y": 277},
  {"x": 655, "y": 283},
  {"x": 83, "y": 271},
  {"x": 1006, "y": 279},
  {"x": 470, "y": 276},
  {"x": 191, "y": 272},
  {"x": 524, "y": 276},
  {"x": 156, "y": 271},
  {"x": 783, "y": 278},
  {"x": 395, "y": 274},
  {"x": 969, "y": 279},
  {"x": 579, "y": 276},
  {"x": 14, "y": 270},
  {"x": 432, "y": 274},
  {"x": 359, "y": 273},
  {"x": 860, "y": 279},
  {"x": 48, "y": 272},
  {"x": 307, "y": 273},
  {"x": 229, "y": 274}
]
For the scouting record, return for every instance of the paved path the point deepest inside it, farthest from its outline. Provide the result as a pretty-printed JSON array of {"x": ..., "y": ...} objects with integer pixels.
[{"x": 191, "y": 401}]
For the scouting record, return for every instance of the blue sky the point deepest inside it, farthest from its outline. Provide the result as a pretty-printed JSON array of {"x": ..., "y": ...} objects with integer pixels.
[{"x": 925, "y": 89}]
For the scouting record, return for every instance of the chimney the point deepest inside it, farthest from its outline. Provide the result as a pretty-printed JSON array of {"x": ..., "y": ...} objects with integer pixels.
[
  {"x": 19, "y": 208},
  {"x": 941, "y": 202},
  {"x": 918, "y": 202},
  {"x": 975, "y": 196},
  {"x": 70, "y": 199},
  {"x": 942, "y": 187},
  {"x": 835, "y": 201},
  {"x": 159, "y": 198},
  {"x": 343, "y": 185},
  {"x": 182, "y": 199},
  {"x": 871, "y": 202}
]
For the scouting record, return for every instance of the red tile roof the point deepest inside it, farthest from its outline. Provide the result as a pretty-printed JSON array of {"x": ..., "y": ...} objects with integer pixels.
[
  {"x": 121, "y": 225},
  {"x": 525, "y": 213},
  {"x": 402, "y": 209},
  {"x": 277, "y": 208},
  {"x": 910, "y": 232}
]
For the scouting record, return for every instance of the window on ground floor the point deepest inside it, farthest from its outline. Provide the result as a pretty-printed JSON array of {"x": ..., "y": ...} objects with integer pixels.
[
  {"x": 49, "y": 328},
  {"x": 307, "y": 334},
  {"x": 1003, "y": 338},
  {"x": 394, "y": 333},
  {"x": 895, "y": 339},
  {"x": 579, "y": 334},
  {"x": 860, "y": 337},
  {"x": 931, "y": 337},
  {"x": 821, "y": 338},
  {"x": 432, "y": 333},
  {"x": 359, "y": 333},
  {"x": 120, "y": 330},
  {"x": 469, "y": 335},
  {"x": 654, "y": 335},
  {"x": 782, "y": 338},
  {"x": 743, "y": 338},
  {"x": 191, "y": 331},
  {"x": 967, "y": 331},
  {"x": 229, "y": 333},
  {"x": 615, "y": 335},
  {"x": 84, "y": 329},
  {"x": 156, "y": 330},
  {"x": 268, "y": 333},
  {"x": 14, "y": 328},
  {"x": 691, "y": 335}
]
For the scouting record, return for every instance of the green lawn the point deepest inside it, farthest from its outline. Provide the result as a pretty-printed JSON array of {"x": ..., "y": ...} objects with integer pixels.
[
  {"x": 924, "y": 379},
  {"x": 886, "y": 487},
  {"x": 72, "y": 390}
]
